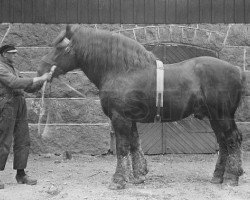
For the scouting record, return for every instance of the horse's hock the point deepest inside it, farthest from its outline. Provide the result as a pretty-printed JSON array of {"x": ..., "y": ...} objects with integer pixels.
[{"x": 75, "y": 121}]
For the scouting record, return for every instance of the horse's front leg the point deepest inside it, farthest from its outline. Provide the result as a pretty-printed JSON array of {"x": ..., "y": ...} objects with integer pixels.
[
  {"x": 139, "y": 162},
  {"x": 220, "y": 164},
  {"x": 123, "y": 173}
]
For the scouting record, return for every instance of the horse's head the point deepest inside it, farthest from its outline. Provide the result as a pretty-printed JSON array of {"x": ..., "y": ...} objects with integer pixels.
[{"x": 62, "y": 55}]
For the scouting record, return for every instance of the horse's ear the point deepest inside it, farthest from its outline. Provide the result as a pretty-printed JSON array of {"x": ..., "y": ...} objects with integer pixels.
[{"x": 69, "y": 32}]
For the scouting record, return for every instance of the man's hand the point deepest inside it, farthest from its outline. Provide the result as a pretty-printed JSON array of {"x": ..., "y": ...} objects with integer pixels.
[
  {"x": 43, "y": 78},
  {"x": 46, "y": 76}
]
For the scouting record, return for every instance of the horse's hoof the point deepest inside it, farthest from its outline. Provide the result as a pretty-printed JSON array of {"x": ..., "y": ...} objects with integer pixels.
[
  {"x": 144, "y": 168},
  {"x": 217, "y": 180},
  {"x": 117, "y": 186},
  {"x": 139, "y": 180},
  {"x": 145, "y": 171},
  {"x": 230, "y": 182}
]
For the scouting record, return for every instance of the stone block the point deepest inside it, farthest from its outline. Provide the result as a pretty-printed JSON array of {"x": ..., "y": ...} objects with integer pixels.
[
  {"x": 188, "y": 35},
  {"x": 239, "y": 35},
  {"x": 84, "y": 139},
  {"x": 33, "y": 35},
  {"x": 216, "y": 41},
  {"x": 152, "y": 34},
  {"x": 220, "y": 28},
  {"x": 247, "y": 59},
  {"x": 70, "y": 85},
  {"x": 176, "y": 34},
  {"x": 128, "y": 26},
  {"x": 140, "y": 34},
  {"x": 195, "y": 26},
  {"x": 28, "y": 59},
  {"x": 164, "y": 34},
  {"x": 233, "y": 55},
  {"x": 109, "y": 27},
  {"x": 71, "y": 111},
  {"x": 128, "y": 33},
  {"x": 201, "y": 38},
  {"x": 88, "y": 25},
  {"x": 3, "y": 30}
]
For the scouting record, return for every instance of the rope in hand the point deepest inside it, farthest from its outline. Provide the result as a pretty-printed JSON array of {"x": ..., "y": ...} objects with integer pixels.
[{"x": 42, "y": 109}]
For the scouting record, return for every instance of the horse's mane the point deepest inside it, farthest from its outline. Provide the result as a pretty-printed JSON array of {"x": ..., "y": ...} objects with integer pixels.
[{"x": 104, "y": 50}]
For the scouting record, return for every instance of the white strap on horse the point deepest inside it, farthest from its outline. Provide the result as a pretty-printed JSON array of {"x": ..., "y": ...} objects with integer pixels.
[
  {"x": 159, "y": 83},
  {"x": 66, "y": 41}
]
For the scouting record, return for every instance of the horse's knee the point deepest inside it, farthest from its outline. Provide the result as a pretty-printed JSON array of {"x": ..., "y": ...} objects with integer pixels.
[
  {"x": 234, "y": 140},
  {"x": 231, "y": 143},
  {"x": 122, "y": 148},
  {"x": 122, "y": 140}
]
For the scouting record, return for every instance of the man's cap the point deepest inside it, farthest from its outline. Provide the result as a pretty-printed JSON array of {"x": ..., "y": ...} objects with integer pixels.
[{"x": 8, "y": 48}]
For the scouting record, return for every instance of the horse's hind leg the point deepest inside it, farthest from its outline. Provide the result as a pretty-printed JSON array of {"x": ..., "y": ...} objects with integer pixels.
[
  {"x": 229, "y": 165},
  {"x": 139, "y": 162},
  {"x": 233, "y": 168},
  {"x": 123, "y": 173},
  {"x": 223, "y": 153}
]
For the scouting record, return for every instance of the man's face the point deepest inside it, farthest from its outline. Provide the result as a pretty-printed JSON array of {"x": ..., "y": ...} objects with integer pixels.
[{"x": 9, "y": 56}]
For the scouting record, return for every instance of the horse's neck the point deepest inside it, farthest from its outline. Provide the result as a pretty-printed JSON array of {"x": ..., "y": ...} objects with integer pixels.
[
  {"x": 96, "y": 71},
  {"x": 94, "y": 75}
]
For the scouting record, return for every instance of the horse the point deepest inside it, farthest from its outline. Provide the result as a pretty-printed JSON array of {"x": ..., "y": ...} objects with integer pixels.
[{"x": 125, "y": 74}]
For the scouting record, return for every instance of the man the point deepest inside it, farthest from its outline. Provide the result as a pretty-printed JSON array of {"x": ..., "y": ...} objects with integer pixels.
[{"x": 13, "y": 114}]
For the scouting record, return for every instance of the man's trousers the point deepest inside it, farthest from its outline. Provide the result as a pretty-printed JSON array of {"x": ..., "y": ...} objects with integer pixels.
[{"x": 14, "y": 127}]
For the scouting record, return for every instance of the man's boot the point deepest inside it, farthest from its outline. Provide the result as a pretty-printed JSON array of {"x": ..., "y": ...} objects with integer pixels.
[{"x": 25, "y": 179}]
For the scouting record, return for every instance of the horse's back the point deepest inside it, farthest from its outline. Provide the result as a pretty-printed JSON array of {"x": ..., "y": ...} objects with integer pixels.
[
  {"x": 203, "y": 80},
  {"x": 217, "y": 69}
]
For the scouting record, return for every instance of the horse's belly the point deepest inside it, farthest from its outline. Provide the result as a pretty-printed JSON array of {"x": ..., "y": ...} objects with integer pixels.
[{"x": 177, "y": 108}]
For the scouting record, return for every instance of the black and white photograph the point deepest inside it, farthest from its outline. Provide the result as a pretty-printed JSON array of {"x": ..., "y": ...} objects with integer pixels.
[{"x": 124, "y": 99}]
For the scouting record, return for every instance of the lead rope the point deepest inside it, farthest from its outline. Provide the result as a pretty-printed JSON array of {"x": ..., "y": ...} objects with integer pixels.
[{"x": 42, "y": 108}]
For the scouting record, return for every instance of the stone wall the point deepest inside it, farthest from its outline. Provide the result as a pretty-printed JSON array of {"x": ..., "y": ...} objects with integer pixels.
[{"x": 75, "y": 121}]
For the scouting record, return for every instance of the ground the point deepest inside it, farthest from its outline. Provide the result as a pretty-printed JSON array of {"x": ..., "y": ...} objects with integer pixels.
[{"x": 171, "y": 177}]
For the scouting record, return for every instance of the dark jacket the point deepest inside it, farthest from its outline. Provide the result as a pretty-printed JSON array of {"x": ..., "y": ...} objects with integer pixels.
[{"x": 12, "y": 84}]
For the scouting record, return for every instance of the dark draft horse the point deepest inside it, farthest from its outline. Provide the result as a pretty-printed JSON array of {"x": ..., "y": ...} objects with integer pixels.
[{"x": 125, "y": 74}]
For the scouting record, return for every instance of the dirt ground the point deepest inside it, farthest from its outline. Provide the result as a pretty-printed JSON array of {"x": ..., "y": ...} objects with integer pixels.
[{"x": 171, "y": 177}]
